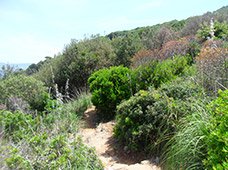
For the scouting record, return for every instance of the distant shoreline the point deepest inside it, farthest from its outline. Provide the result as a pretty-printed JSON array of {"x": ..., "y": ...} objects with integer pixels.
[{"x": 23, "y": 66}]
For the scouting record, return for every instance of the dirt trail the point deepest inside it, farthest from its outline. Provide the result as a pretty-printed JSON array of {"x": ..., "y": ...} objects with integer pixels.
[{"x": 101, "y": 138}]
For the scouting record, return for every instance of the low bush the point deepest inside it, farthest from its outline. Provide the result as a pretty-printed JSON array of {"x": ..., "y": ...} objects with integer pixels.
[
  {"x": 48, "y": 141},
  {"x": 56, "y": 152},
  {"x": 148, "y": 119},
  {"x": 109, "y": 87},
  {"x": 26, "y": 88},
  {"x": 17, "y": 125},
  {"x": 169, "y": 70},
  {"x": 217, "y": 137}
]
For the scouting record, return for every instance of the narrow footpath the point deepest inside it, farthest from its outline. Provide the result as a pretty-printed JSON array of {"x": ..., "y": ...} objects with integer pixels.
[{"x": 100, "y": 136}]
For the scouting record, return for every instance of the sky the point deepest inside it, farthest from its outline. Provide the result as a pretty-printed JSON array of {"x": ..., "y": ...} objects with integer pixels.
[{"x": 30, "y": 30}]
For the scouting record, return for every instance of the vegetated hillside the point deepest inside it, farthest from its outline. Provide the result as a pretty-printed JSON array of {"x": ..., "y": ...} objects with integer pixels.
[
  {"x": 166, "y": 88},
  {"x": 80, "y": 58},
  {"x": 183, "y": 26}
]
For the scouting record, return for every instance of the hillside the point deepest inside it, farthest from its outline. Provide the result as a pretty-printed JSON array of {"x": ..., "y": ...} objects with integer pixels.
[
  {"x": 149, "y": 98},
  {"x": 81, "y": 58},
  {"x": 220, "y": 15}
]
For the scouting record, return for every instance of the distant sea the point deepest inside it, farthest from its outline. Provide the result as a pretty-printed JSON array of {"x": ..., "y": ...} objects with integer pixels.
[{"x": 23, "y": 66}]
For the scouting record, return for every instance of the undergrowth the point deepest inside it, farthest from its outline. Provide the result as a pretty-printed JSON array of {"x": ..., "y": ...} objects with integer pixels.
[{"x": 47, "y": 141}]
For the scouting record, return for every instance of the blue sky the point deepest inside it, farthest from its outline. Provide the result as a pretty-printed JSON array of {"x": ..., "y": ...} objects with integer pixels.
[{"x": 33, "y": 29}]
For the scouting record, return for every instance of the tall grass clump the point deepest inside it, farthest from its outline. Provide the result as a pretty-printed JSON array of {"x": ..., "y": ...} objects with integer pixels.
[
  {"x": 187, "y": 148},
  {"x": 201, "y": 140}
]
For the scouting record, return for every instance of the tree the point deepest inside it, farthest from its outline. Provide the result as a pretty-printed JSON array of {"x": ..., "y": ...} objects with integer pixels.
[{"x": 125, "y": 48}]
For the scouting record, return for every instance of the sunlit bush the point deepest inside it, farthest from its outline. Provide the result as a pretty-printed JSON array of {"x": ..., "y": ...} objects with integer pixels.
[
  {"x": 109, "y": 87},
  {"x": 148, "y": 119}
]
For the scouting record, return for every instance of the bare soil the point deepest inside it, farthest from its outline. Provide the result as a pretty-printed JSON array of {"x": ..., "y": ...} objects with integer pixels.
[{"x": 113, "y": 157}]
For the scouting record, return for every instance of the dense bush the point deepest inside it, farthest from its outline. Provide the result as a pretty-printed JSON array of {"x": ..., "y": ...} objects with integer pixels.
[
  {"x": 184, "y": 46},
  {"x": 77, "y": 62},
  {"x": 148, "y": 119},
  {"x": 217, "y": 137},
  {"x": 109, "y": 87},
  {"x": 125, "y": 47},
  {"x": 144, "y": 75},
  {"x": 144, "y": 57},
  {"x": 17, "y": 125},
  {"x": 156, "y": 73},
  {"x": 26, "y": 88},
  {"x": 53, "y": 153}
]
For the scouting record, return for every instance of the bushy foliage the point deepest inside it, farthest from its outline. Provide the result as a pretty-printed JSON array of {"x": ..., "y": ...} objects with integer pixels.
[
  {"x": 26, "y": 88},
  {"x": 158, "y": 36},
  {"x": 155, "y": 73},
  {"x": 144, "y": 75},
  {"x": 53, "y": 153},
  {"x": 109, "y": 87},
  {"x": 125, "y": 48},
  {"x": 217, "y": 137},
  {"x": 16, "y": 125},
  {"x": 148, "y": 119},
  {"x": 201, "y": 138},
  {"x": 77, "y": 62},
  {"x": 169, "y": 69},
  {"x": 212, "y": 64},
  {"x": 220, "y": 31},
  {"x": 46, "y": 142}
]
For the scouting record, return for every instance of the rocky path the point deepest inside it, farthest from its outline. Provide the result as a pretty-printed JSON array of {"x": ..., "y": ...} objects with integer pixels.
[{"x": 113, "y": 158}]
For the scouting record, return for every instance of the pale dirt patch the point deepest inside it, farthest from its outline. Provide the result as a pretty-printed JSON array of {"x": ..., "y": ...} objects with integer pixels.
[{"x": 113, "y": 157}]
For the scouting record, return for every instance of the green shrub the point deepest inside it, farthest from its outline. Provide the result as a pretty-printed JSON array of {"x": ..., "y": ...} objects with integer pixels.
[
  {"x": 144, "y": 75},
  {"x": 156, "y": 73},
  {"x": 55, "y": 152},
  {"x": 109, "y": 87},
  {"x": 49, "y": 141},
  {"x": 217, "y": 138},
  {"x": 169, "y": 69},
  {"x": 17, "y": 125},
  {"x": 26, "y": 88},
  {"x": 148, "y": 119},
  {"x": 201, "y": 139}
]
